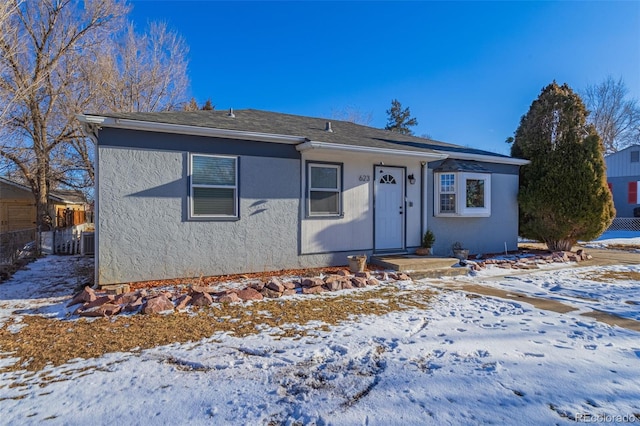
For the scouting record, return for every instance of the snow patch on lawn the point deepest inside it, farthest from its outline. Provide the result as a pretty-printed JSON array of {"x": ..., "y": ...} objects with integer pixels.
[
  {"x": 466, "y": 360},
  {"x": 630, "y": 238}
]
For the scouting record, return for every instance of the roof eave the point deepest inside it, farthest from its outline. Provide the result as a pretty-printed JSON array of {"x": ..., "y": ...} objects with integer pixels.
[
  {"x": 318, "y": 145},
  {"x": 151, "y": 126},
  {"x": 488, "y": 158}
]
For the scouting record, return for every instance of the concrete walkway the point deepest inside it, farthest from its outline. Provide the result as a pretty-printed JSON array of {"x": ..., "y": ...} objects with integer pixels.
[{"x": 600, "y": 258}]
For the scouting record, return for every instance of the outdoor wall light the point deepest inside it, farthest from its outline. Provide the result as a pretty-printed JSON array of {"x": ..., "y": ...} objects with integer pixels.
[{"x": 412, "y": 179}]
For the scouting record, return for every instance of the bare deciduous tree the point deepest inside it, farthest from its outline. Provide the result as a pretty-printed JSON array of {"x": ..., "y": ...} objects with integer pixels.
[
  {"x": 353, "y": 115},
  {"x": 59, "y": 58},
  {"x": 41, "y": 54},
  {"x": 615, "y": 115},
  {"x": 146, "y": 71},
  {"x": 7, "y": 11},
  {"x": 138, "y": 73}
]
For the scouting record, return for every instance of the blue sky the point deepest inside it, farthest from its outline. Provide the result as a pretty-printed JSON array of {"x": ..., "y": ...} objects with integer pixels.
[{"x": 467, "y": 70}]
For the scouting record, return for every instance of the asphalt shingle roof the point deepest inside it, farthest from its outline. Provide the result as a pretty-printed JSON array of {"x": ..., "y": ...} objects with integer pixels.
[{"x": 344, "y": 132}]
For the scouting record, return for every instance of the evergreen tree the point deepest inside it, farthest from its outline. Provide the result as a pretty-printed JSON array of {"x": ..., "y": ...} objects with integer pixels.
[
  {"x": 399, "y": 120},
  {"x": 563, "y": 191},
  {"x": 208, "y": 106}
]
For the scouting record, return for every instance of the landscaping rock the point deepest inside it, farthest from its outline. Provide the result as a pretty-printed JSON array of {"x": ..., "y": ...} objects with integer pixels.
[
  {"x": 346, "y": 284},
  {"x": 183, "y": 302},
  {"x": 201, "y": 299},
  {"x": 98, "y": 302},
  {"x": 290, "y": 285},
  {"x": 133, "y": 306},
  {"x": 333, "y": 277},
  {"x": 249, "y": 294},
  {"x": 312, "y": 282},
  {"x": 219, "y": 294},
  {"x": 126, "y": 298},
  {"x": 401, "y": 276},
  {"x": 229, "y": 298},
  {"x": 365, "y": 274},
  {"x": 313, "y": 290},
  {"x": 258, "y": 285},
  {"x": 290, "y": 292},
  {"x": 106, "y": 310},
  {"x": 158, "y": 304},
  {"x": 344, "y": 273},
  {"x": 372, "y": 281},
  {"x": 86, "y": 295},
  {"x": 116, "y": 288},
  {"x": 272, "y": 294},
  {"x": 334, "y": 285},
  {"x": 276, "y": 285},
  {"x": 359, "y": 282},
  {"x": 203, "y": 289}
]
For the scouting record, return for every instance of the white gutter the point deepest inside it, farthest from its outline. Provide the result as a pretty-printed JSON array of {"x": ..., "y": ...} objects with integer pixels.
[
  {"x": 122, "y": 123},
  {"x": 313, "y": 145}
]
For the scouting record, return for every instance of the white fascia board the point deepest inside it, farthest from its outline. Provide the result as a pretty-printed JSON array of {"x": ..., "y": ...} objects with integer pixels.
[
  {"x": 150, "y": 126},
  {"x": 488, "y": 158},
  {"x": 313, "y": 145}
]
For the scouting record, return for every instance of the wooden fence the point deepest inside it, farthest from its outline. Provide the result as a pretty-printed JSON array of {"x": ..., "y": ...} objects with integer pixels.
[{"x": 66, "y": 217}]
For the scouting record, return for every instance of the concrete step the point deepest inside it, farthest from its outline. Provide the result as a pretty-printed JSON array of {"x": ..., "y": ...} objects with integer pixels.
[
  {"x": 418, "y": 267},
  {"x": 438, "y": 273}
]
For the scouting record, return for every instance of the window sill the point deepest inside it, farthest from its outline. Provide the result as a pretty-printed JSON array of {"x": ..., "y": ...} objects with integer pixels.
[
  {"x": 463, "y": 215},
  {"x": 325, "y": 216},
  {"x": 213, "y": 218}
]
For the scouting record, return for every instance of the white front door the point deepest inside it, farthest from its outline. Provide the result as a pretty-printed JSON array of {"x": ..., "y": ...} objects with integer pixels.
[{"x": 389, "y": 221}]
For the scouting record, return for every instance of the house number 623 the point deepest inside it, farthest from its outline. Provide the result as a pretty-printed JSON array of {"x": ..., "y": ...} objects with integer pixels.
[{"x": 365, "y": 178}]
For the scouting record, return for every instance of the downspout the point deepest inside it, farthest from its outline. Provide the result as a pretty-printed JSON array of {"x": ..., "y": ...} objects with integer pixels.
[
  {"x": 422, "y": 209},
  {"x": 91, "y": 130}
]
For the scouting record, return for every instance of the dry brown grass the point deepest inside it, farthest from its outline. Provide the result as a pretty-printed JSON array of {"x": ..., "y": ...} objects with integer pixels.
[
  {"x": 41, "y": 341},
  {"x": 624, "y": 247},
  {"x": 611, "y": 276}
]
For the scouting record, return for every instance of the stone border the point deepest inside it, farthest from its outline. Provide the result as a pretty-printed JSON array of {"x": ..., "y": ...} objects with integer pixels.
[
  {"x": 119, "y": 299},
  {"x": 529, "y": 261}
]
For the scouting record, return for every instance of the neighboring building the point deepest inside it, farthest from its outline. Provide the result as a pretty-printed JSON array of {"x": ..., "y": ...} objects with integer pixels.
[
  {"x": 186, "y": 194},
  {"x": 18, "y": 207},
  {"x": 623, "y": 177}
]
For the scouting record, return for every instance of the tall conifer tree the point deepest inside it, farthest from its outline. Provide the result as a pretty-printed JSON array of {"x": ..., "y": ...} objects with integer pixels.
[
  {"x": 563, "y": 192},
  {"x": 399, "y": 120}
]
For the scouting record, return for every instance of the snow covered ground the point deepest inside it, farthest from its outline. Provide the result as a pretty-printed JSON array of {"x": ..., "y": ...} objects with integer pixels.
[
  {"x": 467, "y": 360},
  {"x": 616, "y": 237}
]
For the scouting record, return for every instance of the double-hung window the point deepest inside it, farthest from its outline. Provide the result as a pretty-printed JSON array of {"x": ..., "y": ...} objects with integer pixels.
[
  {"x": 214, "y": 186},
  {"x": 447, "y": 199},
  {"x": 463, "y": 194},
  {"x": 324, "y": 182}
]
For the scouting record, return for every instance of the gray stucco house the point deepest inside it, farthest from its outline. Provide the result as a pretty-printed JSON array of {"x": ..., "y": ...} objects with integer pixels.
[
  {"x": 185, "y": 194},
  {"x": 623, "y": 177}
]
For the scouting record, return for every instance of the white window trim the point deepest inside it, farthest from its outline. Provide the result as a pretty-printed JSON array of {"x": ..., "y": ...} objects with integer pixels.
[
  {"x": 461, "y": 195},
  {"x": 192, "y": 185},
  {"x": 337, "y": 190}
]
